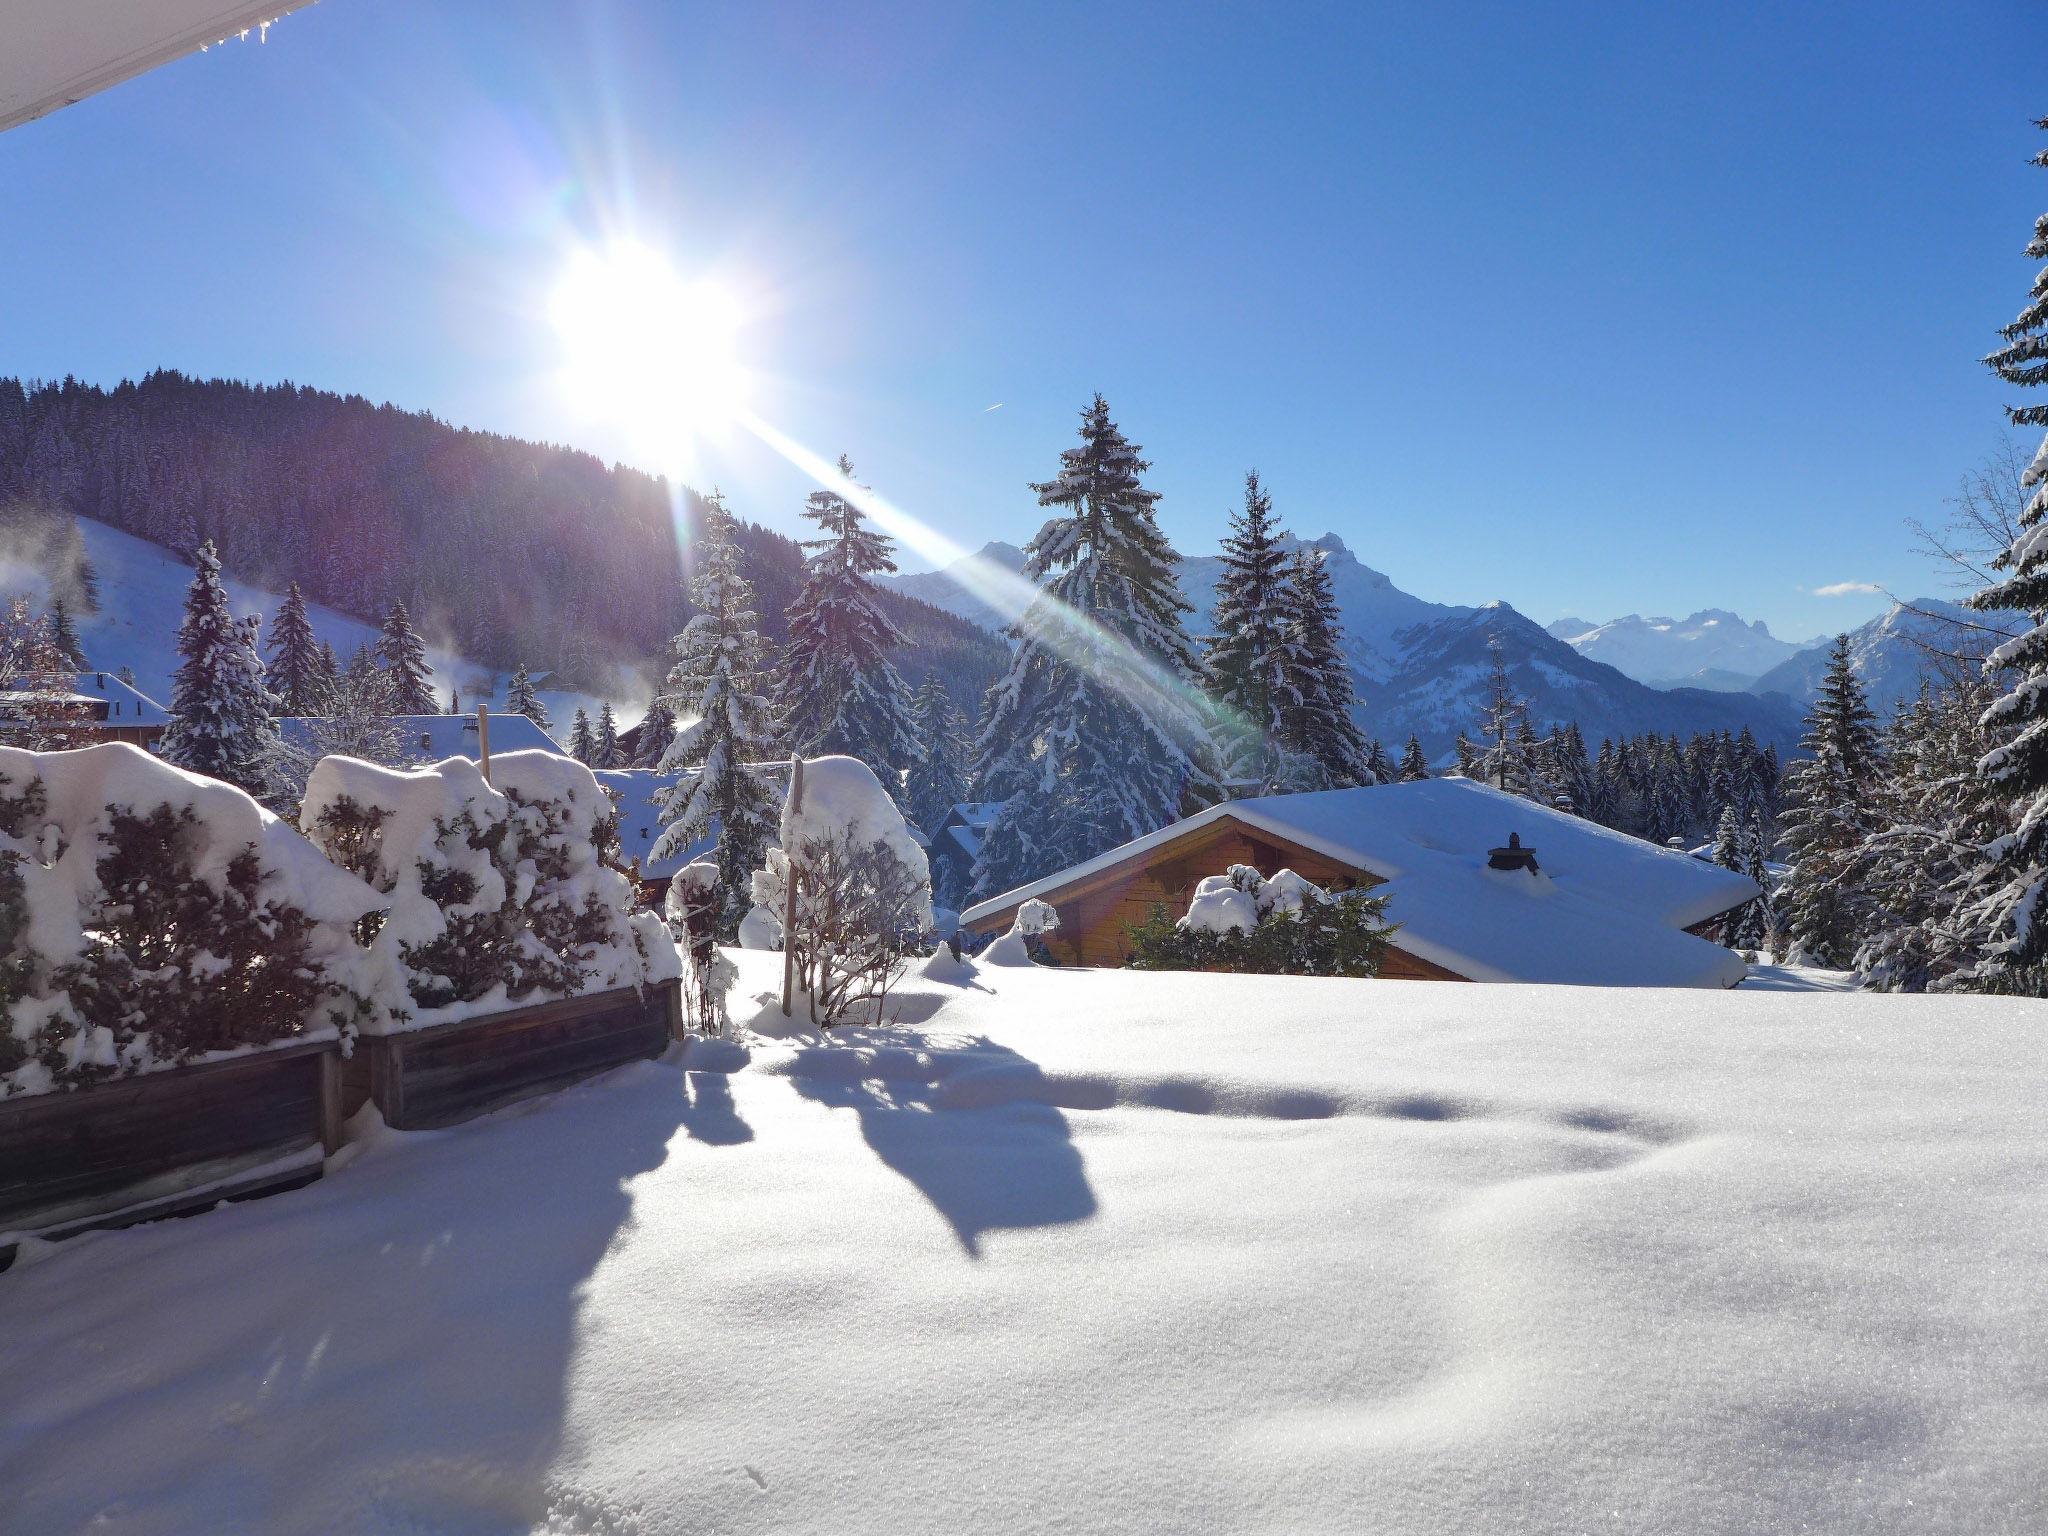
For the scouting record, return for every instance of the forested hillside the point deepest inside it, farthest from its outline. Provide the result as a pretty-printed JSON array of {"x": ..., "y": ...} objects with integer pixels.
[{"x": 508, "y": 551}]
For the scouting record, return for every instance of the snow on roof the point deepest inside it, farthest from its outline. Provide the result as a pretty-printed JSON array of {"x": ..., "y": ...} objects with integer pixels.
[
  {"x": 1606, "y": 909},
  {"x": 431, "y": 738},
  {"x": 126, "y": 703},
  {"x": 975, "y": 813}
]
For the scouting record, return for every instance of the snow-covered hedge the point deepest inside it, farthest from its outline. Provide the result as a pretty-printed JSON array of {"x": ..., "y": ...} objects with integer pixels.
[
  {"x": 150, "y": 917},
  {"x": 1283, "y": 926},
  {"x": 495, "y": 891}
]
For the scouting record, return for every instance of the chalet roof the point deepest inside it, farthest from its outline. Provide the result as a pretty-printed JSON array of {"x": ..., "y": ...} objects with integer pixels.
[
  {"x": 1605, "y": 909},
  {"x": 126, "y": 704},
  {"x": 640, "y": 813}
]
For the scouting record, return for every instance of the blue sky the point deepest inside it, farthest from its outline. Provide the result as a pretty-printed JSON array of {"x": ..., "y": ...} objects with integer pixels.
[{"x": 1591, "y": 308}]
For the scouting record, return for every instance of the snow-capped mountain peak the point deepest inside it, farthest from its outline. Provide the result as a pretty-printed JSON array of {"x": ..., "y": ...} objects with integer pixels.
[{"x": 1667, "y": 652}]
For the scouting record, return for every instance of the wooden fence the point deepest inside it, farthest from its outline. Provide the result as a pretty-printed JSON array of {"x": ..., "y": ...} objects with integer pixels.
[{"x": 169, "y": 1143}]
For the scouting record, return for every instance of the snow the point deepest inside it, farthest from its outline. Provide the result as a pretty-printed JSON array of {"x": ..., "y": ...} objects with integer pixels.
[
  {"x": 1077, "y": 1251},
  {"x": 60, "y": 854},
  {"x": 1605, "y": 909},
  {"x": 1220, "y": 907},
  {"x": 1033, "y": 918},
  {"x": 842, "y": 796},
  {"x": 430, "y": 738},
  {"x": 142, "y": 600}
]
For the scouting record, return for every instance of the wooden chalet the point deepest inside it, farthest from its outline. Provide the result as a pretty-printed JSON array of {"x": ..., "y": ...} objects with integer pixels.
[{"x": 1485, "y": 886}]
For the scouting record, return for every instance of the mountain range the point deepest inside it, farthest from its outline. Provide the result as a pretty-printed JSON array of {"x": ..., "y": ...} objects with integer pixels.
[
  {"x": 1709, "y": 649},
  {"x": 1420, "y": 667}
]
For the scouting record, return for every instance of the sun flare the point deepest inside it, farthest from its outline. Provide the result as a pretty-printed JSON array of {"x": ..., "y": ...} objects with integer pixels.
[{"x": 651, "y": 351}]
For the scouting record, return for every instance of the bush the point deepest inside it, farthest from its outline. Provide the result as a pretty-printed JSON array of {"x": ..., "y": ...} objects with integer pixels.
[
  {"x": 1285, "y": 926},
  {"x": 495, "y": 892},
  {"x": 136, "y": 938}
]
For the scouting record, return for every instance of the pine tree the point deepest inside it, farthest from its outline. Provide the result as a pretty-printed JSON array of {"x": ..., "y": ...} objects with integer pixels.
[
  {"x": 294, "y": 671},
  {"x": 220, "y": 713},
  {"x": 582, "y": 744},
  {"x": 1097, "y": 730},
  {"x": 330, "y": 666},
  {"x": 1507, "y": 760},
  {"x": 938, "y": 779},
  {"x": 65, "y": 633},
  {"x": 522, "y": 699},
  {"x": 717, "y": 679},
  {"x": 657, "y": 730},
  {"x": 1751, "y": 925},
  {"x": 1414, "y": 765},
  {"x": 604, "y": 743},
  {"x": 2013, "y": 888},
  {"x": 1248, "y": 662},
  {"x": 1831, "y": 814},
  {"x": 840, "y": 691},
  {"x": 1317, "y": 700},
  {"x": 405, "y": 659}
]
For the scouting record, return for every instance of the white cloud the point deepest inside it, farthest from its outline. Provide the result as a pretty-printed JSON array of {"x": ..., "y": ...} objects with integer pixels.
[{"x": 1846, "y": 588}]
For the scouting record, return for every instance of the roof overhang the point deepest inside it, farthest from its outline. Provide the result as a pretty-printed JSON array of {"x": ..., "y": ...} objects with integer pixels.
[{"x": 56, "y": 52}]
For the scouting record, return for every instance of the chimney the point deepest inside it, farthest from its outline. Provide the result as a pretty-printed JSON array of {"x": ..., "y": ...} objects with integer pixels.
[{"x": 1514, "y": 856}]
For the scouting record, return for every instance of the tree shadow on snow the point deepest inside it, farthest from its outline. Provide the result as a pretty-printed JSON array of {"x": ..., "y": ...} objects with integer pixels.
[
  {"x": 414, "y": 1316},
  {"x": 985, "y": 1163},
  {"x": 710, "y": 1115}
]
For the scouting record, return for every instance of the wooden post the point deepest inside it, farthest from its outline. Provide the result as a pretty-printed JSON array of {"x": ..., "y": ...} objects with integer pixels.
[
  {"x": 483, "y": 739},
  {"x": 796, "y": 803},
  {"x": 331, "y": 1107}
]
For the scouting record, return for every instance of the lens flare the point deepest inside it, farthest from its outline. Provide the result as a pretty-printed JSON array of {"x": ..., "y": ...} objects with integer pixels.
[{"x": 650, "y": 352}]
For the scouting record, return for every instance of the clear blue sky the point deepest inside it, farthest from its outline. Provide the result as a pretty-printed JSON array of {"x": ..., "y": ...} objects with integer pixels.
[{"x": 1592, "y": 308}]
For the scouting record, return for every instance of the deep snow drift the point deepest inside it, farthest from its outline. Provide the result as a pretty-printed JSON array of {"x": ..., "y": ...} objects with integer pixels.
[{"x": 1114, "y": 1251}]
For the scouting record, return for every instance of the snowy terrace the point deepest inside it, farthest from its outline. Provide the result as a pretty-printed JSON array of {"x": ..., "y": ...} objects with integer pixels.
[{"x": 1114, "y": 1251}]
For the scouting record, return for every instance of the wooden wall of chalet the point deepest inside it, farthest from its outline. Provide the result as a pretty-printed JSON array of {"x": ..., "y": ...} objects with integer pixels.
[{"x": 1097, "y": 913}]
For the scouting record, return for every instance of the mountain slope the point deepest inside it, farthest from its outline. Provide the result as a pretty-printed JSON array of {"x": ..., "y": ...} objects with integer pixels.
[
  {"x": 1671, "y": 652},
  {"x": 1894, "y": 652},
  {"x": 1421, "y": 666}
]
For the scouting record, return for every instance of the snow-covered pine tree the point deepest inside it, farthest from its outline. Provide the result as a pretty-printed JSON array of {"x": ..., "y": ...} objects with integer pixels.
[
  {"x": 604, "y": 741},
  {"x": 1317, "y": 699},
  {"x": 582, "y": 743},
  {"x": 294, "y": 671},
  {"x": 330, "y": 665},
  {"x": 1832, "y": 789},
  {"x": 1414, "y": 765},
  {"x": 1467, "y": 756},
  {"x": 717, "y": 683},
  {"x": 405, "y": 658},
  {"x": 2015, "y": 884},
  {"x": 1247, "y": 662},
  {"x": 65, "y": 633},
  {"x": 1728, "y": 840},
  {"x": 1377, "y": 763},
  {"x": 657, "y": 730},
  {"x": 841, "y": 694},
  {"x": 522, "y": 699},
  {"x": 938, "y": 779},
  {"x": 1098, "y": 730},
  {"x": 220, "y": 713},
  {"x": 1751, "y": 924},
  {"x": 1506, "y": 758}
]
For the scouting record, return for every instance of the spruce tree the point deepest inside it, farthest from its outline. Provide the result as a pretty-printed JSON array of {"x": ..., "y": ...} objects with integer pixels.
[
  {"x": 1752, "y": 922},
  {"x": 294, "y": 671},
  {"x": 330, "y": 666},
  {"x": 1507, "y": 757},
  {"x": 604, "y": 742},
  {"x": 938, "y": 779},
  {"x": 657, "y": 730},
  {"x": 2013, "y": 885},
  {"x": 717, "y": 682},
  {"x": 1414, "y": 765},
  {"x": 65, "y": 634},
  {"x": 522, "y": 699},
  {"x": 405, "y": 660},
  {"x": 1832, "y": 811},
  {"x": 220, "y": 712},
  {"x": 1317, "y": 698},
  {"x": 840, "y": 691},
  {"x": 1097, "y": 731},
  {"x": 582, "y": 743},
  {"x": 1247, "y": 661}
]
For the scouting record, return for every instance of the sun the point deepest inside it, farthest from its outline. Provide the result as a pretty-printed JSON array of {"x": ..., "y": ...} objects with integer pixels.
[{"x": 649, "y": 351}]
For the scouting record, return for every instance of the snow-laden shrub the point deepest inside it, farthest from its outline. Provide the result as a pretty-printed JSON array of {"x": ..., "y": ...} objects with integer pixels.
[
  {"x": 150, "y": 917},
  {"x": 1024, "y": 944},
  {"x": 864, "y": 891},
  {"x": 693, "y": 908},
  {"x": 1283, "y": 926},
  {"x": 495, "y": 891}
]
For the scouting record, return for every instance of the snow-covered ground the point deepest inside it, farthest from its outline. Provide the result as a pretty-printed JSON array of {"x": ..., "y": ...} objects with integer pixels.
[
  {"x": 1073, "y": 1251},
  {"x": 142, "y": 601}
]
